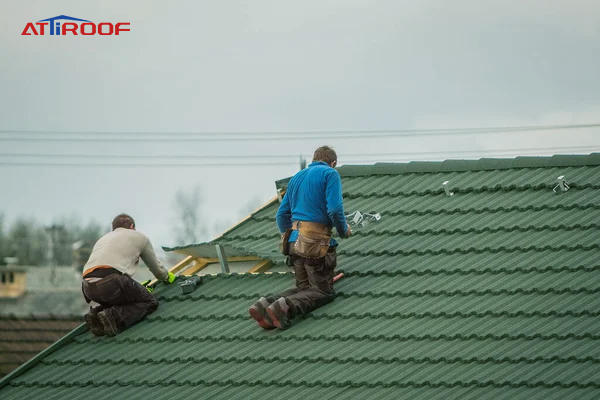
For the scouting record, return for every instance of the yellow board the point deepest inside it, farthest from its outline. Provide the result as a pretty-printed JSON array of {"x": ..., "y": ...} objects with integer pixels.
[
  {"x": 262, "y": 266},
  {"x": 201, "y": 263}
]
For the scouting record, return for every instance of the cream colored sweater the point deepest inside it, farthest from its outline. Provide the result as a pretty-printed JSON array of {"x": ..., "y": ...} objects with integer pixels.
[{"x": 122, "y": 249}]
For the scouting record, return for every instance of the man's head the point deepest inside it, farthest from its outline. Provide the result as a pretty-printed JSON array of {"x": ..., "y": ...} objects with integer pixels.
[
  {"x": 325, "y": 154},
  {"x": 123, "y": 221}
]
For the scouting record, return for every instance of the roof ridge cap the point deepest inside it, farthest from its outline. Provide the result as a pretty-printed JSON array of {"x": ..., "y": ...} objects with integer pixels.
[{"x": 482, "y": 164}]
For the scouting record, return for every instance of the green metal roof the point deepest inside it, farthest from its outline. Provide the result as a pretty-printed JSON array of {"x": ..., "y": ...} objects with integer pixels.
[{"x": 490, "y": 293}]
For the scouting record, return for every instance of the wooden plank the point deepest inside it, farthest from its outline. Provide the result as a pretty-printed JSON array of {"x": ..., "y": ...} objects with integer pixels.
[
  {"x": 230, "y": 259},
  {"x": 181, "y": 264},
  {"x": 177, "y": 267},
  {"x": 201, "y": 263},
  {"x": 262, "y": 266},
  {"x": 207, "y": 261},
  {"x": 236, "y": 259}
]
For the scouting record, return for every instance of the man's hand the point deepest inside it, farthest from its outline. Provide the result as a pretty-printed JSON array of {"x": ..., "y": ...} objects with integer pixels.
[
  {"x": 148, "y": 288},
  {"x": 348, "y": 231},
  {"x": 170, "y": 278}
]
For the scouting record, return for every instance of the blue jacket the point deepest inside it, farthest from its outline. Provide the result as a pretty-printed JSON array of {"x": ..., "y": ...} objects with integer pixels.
[{"x": 313, "y": 194}]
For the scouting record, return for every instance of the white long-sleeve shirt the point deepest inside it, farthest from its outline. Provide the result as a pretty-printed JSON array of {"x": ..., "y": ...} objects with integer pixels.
[{"x": 122, "y": 249}]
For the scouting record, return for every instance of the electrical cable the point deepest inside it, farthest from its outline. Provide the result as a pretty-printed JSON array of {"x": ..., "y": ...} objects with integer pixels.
[
  {"x": 292, "y": 156},
  {"x": 268, "y": 136}
]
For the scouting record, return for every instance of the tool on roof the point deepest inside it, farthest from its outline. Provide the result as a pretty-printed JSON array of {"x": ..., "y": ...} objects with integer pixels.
[
  {"x": 338, "y": 277},
  {"x": 447, "y": 189},
  {"x": 562, "y": 183},
  {"x": 359, "y": 219},
  {"x": 190, "y": 284}
]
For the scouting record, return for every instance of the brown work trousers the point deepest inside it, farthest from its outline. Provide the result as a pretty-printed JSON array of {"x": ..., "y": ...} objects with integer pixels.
[
  {"x": 314, "y": 283},
  {"x": 126, "y": 300}
]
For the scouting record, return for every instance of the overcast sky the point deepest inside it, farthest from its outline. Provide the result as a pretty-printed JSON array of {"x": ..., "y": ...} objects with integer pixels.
[{"x": 275, "y": 66}]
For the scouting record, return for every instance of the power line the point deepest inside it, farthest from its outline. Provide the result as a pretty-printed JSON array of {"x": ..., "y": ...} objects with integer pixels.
[
  {"x": 293, "y": 161},
  {"x": 264, "y": 136},
  {"x": 320, "y": 132},
  {"x": 145, "y": 165},
  {"x": 295, "y": 156}
]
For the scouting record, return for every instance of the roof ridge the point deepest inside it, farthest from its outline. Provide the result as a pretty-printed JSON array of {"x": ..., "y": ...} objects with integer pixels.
[{"x": 482, "y": 164}]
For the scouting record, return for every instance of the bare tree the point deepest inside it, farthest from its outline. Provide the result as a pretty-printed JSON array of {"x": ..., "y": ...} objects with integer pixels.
[{"x": 190, "y": 226}]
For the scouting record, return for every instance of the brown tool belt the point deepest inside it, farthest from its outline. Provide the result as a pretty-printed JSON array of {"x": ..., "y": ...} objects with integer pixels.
[
  {"x": 308, "y": 226},
  {"x": 313, "y": 239},
  {"x": 101, "y": 271}
]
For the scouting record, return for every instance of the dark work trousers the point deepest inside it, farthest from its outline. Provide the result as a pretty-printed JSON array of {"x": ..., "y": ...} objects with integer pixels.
[
  {"x": 314, "y": 283},
  {"x": 126, "y": 300}
]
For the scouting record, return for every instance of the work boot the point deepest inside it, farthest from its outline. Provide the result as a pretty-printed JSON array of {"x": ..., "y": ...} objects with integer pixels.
[
  {"x": 108, "y": 322},
  {"x": 93, "y": 323},
  {"x": 258, "y": 311},
  {"x": 279, "y": 313}
]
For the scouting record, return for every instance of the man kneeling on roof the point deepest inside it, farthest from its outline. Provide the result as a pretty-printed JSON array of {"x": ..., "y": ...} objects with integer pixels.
[
  {"x": 107, "y": 279},
  {"x": 310, "y": 208}
]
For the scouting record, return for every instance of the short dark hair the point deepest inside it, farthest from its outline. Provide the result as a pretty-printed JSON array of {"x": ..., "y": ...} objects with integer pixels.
[
  {"x": 123, "y": 221},
  {"x": 326, "y": 154}
]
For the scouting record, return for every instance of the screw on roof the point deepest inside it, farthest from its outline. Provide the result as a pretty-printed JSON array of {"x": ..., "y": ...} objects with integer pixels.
[
  {"x": 562, "y": 183},
  {"x": 447, "y": 189}
]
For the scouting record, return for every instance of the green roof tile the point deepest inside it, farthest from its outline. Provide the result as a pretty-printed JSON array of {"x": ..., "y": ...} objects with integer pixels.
[{"x": 490, "y": 293}]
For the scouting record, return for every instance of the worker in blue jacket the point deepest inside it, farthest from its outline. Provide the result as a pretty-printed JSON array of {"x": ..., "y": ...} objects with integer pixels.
[{"x": 311, "y": 207}]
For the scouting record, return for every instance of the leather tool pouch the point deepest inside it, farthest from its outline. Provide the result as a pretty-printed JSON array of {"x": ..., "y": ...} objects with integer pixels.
[
  {"x": 311, "y": 244},
  {"x": 284, "y": 245}
]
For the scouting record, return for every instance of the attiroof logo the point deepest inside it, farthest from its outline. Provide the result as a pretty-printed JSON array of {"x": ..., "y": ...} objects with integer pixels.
[{"x": 81, "y": 27}]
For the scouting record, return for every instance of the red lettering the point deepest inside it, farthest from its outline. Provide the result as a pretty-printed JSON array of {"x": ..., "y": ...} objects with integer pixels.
[
  {"x": 29, "y": 26},
  {"x": 41, "y": 25},
  {"x": 110, "y": 32},
  {"x": 117, "y": 28},
  {"x": 72, "y": 28},
  {"x": 82, "y": 30}
]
